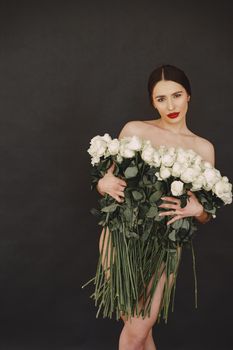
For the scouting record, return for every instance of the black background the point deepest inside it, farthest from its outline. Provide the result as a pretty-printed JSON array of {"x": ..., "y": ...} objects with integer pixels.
[{"x": 68, "y": 71}]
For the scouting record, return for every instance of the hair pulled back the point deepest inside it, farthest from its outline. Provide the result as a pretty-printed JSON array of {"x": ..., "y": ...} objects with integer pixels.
[{"x": 167, "y": 72}]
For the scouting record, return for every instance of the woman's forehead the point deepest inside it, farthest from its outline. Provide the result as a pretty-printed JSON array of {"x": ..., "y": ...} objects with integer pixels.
[{"x": 167, "y": 87}]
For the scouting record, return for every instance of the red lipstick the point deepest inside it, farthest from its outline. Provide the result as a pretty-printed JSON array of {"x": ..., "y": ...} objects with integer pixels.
[{"x": 173, "y": 115}]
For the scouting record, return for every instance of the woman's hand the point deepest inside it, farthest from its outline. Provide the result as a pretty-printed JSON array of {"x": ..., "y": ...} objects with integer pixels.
[
  {"x": 192, "y": 208},
  {"x": 112, "y": 185}
]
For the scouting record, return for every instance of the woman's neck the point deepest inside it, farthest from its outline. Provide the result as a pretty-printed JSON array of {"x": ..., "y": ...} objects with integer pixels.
[{"x": 177, "y": 128}]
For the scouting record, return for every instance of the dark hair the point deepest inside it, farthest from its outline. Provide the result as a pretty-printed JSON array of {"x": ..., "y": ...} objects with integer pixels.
[{"x": 167, "y": 72}]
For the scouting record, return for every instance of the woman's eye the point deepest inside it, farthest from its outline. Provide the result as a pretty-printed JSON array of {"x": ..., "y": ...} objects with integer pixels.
[
  {"x": 160, "y": 99},
  {"x": 177, "y": 95}
]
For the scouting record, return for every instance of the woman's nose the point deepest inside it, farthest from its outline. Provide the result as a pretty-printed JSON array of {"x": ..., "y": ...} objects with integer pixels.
[{"x": 170, "y": 105}]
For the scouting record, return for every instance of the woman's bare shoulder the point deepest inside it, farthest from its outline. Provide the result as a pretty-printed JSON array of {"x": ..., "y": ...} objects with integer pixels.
[
  {"x": 133, "y": 127},
  {"x": 205, "y": 148}
]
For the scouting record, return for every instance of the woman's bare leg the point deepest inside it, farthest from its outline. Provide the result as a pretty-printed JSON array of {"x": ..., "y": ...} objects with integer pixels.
[
  {"x": 149, "y": 343},
  {"x": 136, "y": 334}
]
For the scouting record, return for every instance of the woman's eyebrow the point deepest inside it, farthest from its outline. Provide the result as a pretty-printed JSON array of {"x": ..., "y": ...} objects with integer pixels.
[{"x": 165, "y": 95}]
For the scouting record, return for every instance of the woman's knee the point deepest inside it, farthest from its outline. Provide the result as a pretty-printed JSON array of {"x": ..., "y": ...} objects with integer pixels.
[{"x": 136, "y": 335}]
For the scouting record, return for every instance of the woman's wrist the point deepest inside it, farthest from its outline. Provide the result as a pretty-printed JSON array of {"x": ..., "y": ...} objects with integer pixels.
[
  {"x": 202, "y": 215},
  {"x": 200, "y": 211}
]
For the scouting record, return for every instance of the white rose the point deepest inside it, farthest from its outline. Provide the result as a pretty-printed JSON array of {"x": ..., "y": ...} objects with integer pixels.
[
  {"x": 98, "y": 147},
  {"x": 225, "y": 179},
  {"x": 156, "y": 159},
  {"x": 182, "y": 156},
  {"x": 177, "y": 169},
  {"x": 113, "y": 147},
  {"x": 95, "y": 160},
  {"x": 167, "y": 159},
  {"x": 148, "y": 154},
  {"x": 119, "y": 158},
  {"x": 95, "y": 138},
  {"x": 162, "y": 149},
  {"x": 197, "y": 169},
  {"x": 197, "y": 160},
  {"x": 188, "y": 175},
  {"x": 135, "y": 143},
  {"x": 227, "y": 198},
  {"x": 177, "y": 188},
  {"x": 171, "y": 150},
  {"x": 211, "y": 176},
  {"x": 206, "y": 165},
  {"x": 191, "y": 155},
  {"x": 164, "y": 172},
  {"x": 158, "y": 176},
  {"x": 198, "y": 183},
  {"x": 126, "y": 152},
  {"x": 223, "y": 190},
  {"x": 107, "y": 138}
]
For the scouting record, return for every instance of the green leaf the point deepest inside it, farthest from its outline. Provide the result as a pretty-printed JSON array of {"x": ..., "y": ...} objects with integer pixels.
[
  {"x": 146, "y": 181},
  {"x": 131, "y": 172},
  {"x": 152, "y": 212},
  {"x": 137, "y": 195},
  {"x": 177, "y": 224},
  {"x": 172, "y": 235},
  {"x": 127, "y": 214},
  {"x": 110, "y": 208},
  {"x": 159, "y": 186},
  {"x": 159, "y": 218},
  {"x": 155, "y": 196}
]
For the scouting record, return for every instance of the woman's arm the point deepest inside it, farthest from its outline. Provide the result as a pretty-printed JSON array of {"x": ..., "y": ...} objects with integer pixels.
[
  {"x": 112, "y": 185},
  {"x": 109, "y": 183}
]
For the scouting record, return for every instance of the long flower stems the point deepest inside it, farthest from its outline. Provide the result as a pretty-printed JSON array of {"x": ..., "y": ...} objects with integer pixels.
[
  {"x": 120, "y": 283},
  {"x": 194, "y": 272},
  {"x": 177, "y": 263}
]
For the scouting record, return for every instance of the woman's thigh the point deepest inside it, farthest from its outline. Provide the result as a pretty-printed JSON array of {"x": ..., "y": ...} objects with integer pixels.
[
  {"x": 144, "y": 324},
  {"x": 105, "y": 246},
  {"x": 139, "y": 326}
]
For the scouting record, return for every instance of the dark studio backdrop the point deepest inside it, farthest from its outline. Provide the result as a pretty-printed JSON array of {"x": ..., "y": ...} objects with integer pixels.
[{"x": 68, "y": 71}]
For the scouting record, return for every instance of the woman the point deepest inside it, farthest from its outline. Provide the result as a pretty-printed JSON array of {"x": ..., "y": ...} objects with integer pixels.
[{"x": 169, "y": 93}]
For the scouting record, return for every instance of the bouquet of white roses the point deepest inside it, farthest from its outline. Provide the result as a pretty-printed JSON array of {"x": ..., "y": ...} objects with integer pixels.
[{"x": 140, "y": 244}]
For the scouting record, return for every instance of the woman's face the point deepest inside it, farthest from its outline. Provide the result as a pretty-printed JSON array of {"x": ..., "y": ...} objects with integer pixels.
[{"x": 170, "y": 97}]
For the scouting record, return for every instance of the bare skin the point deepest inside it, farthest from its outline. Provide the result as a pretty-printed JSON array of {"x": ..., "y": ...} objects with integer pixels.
[{"x": 137, "y": 335}]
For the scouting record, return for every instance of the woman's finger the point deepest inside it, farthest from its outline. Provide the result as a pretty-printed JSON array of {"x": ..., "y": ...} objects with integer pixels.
[
  {"x": 118, "y": 198},
  {"x": 111, "y": 169},
  {"x": 167, "y": 205},
  {"x": 121, "y": 188},
  {"x": 122, "y": 183},
  {"x": 171, "y": 212},
  {"x": 171, "y": 199},
  {"x": 120, "y": 193},
  {"x": 177, "y": 217}
]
